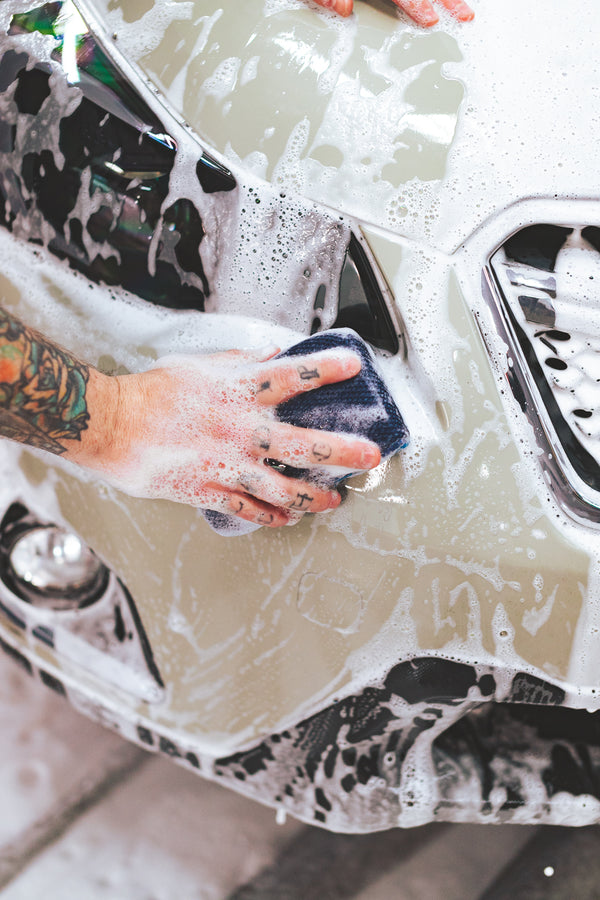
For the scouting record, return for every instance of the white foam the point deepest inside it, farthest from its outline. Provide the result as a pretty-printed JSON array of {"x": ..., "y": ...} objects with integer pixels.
[{"x": 482, "y": 177}]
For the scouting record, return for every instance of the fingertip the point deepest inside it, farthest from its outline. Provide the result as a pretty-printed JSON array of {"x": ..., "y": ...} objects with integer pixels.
[
  {"x": 344, "y": 7},
  {"x": 294, "y": 518},
  {"x": 348, "y": 361},
  {"x": 341, "y": 7},
  {"x": 335, "y": 499},
  {"x": 352, "y": 365},
  {"x": 420, "y": 11},
  {"x": 460, "y": 10},
  {"x": 370, "y": 456}
]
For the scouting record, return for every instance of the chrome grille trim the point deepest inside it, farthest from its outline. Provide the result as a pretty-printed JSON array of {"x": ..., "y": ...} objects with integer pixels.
[{"x": 548, "y": 312}]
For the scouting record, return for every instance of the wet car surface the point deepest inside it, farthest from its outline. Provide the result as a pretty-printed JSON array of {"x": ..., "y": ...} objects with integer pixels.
[{"x": 431, "y": 649}]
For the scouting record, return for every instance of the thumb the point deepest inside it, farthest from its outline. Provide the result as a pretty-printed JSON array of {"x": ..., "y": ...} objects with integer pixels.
[{"x": 268, "y": 351}]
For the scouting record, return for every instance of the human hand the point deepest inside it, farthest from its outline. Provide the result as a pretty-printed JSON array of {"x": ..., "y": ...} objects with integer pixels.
[
  {"x": 420, "y": 11},
  {"x": 198, "y": 430}
]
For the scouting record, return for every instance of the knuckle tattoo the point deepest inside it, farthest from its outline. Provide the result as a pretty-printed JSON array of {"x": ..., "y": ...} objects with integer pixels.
[
  {"x": 262, "y": 438},
  {"x": 245, "y": 482},
  {"x": 249, "y": 481}
]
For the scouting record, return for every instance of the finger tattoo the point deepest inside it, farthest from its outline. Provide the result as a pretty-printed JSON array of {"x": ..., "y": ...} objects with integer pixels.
[
  {"x": 321, "y": 452},
  {"x": 302, "y": 501},
  {"x": 262, "y": 438},
  {"x": 307, "y": 374},
  {"x": 250, "y": 481}
]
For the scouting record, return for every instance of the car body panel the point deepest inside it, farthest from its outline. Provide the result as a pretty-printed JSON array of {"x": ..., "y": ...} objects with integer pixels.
[
  {"x": 456, "y": 550},
  {"x": 424, "y": 133},
  {"x": 379, "y": 579}
]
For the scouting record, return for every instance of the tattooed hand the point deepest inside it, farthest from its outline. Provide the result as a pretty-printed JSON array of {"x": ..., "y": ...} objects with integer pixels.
[
  {"x": 196, "y": 430},
  {"x": 199, "y": 430},
  {"x": 421, "y": 11}
]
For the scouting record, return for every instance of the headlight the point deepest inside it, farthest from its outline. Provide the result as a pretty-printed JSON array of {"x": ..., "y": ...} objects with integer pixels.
[
  {"x": 51, "y": 567},
  {"x": 55, "y": 588}
]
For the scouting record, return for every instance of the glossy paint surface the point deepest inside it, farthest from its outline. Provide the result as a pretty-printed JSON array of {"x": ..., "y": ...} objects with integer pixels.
[
  {"x": 456, "y": 549},
  {"x": 425, "y": 132}
]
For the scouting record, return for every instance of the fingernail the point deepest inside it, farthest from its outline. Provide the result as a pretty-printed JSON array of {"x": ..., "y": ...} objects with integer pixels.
[
  {"x": 343, "y": 7},
  {"x": 353, "y": 365},
  {"x": 369, "y": 457},
  {"x": 350, "y": 361}
]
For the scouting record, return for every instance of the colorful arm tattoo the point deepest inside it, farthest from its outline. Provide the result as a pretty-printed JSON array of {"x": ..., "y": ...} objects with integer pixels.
[{"x": 42, "y": 389}]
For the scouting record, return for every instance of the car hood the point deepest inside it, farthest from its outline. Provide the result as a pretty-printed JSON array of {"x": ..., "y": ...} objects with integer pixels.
[{"x": 423, "y": 133}]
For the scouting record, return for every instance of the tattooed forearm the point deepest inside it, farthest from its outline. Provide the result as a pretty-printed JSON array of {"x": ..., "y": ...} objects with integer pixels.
[{"x": 42, "y": 389}]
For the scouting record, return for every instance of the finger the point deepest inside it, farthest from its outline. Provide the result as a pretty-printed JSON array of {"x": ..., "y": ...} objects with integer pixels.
[
  {"x": 252, "y": 510},
  {"x": 289, "y": 377},
  {"x": 278, "y": 490},
  {"x": 420, "y": 11},
  {"x": 262, "y": 354},
  {"x": 294, "y": 517},
  {"x": 188, "y": 484},
  {"x": 301, "y": 447},
  {"x": 244, "y": 506},
  {"x": 343, "y": 7},
  {"x": 459, "y": 10}
]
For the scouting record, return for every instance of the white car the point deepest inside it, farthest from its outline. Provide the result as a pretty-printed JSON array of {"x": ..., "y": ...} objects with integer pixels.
[{"x": 189, "y": 176}]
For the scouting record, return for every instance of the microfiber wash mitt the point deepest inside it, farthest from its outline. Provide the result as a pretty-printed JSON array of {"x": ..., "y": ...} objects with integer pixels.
[{"x": 361, "y": 406}]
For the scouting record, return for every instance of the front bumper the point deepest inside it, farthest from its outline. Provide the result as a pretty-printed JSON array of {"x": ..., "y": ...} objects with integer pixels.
[{"x": 350, "y": 672}]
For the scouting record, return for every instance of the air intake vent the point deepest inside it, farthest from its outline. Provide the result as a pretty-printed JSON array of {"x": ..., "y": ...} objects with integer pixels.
[{"x": 548, "y": 283}]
